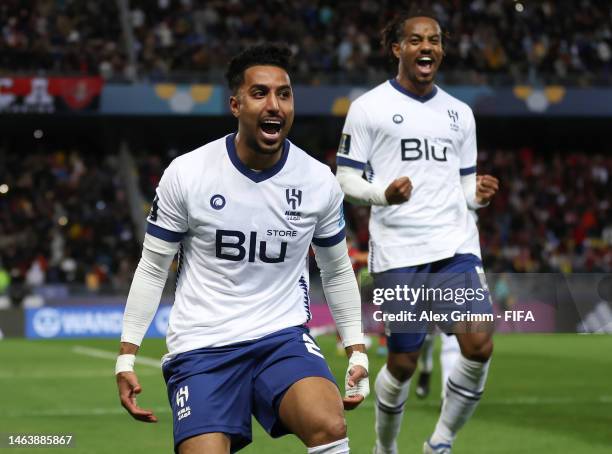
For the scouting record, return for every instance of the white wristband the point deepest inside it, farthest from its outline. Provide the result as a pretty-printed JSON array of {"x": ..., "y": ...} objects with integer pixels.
[
  {"x": 125, "y": 363},
  {"x": 359, "y": 359},
  {"x": 363, "y": 387}
]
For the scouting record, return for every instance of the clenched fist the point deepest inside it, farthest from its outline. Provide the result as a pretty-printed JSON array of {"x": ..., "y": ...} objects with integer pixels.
[
  {"x": 486, "y": 187},
  {"x": 398, "y": 191}
]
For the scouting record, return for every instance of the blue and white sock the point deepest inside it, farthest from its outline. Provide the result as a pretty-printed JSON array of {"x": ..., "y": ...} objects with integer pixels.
[
  {"x": 449, "y": 355},
  {"x": 391, "y": 395},
  {"x": 464, "y": 388}
]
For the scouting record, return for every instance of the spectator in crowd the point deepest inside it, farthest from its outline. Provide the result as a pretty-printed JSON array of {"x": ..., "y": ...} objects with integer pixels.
[
  {"x": 64, "y": 219},
  {"x": 490, "y": 40}
]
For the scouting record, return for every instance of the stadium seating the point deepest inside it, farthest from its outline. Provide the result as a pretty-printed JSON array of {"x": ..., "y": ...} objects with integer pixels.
[{"x": 492, "y": 41}]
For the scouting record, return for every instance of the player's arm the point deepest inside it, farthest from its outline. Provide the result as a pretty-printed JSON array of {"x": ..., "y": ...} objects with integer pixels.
[
  {"x": 362, "y": 192},
  {"x": 354, "y": 151},
  {"x": 342, "y": 294},
  {"x": 479, "y": 189},
  {"x": 167, "y": 222},
  {"x": 142, "y": 303}
]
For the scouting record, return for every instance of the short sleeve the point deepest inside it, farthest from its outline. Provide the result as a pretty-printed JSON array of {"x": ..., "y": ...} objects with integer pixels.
[
  {"x": 355, "y": 142},
  {"x": 168, "y": 218},
  {"x": 467, "y": 155},
  {"x": 329, "y": 230}
]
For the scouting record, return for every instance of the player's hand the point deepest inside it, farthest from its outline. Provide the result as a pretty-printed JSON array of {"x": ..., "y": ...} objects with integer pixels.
[
  {"x": 486, "y": 187},
  {"x": 127, "y": 383},
  {"x": 356, "y": 383},
  {"x": 398, "y": 191}
]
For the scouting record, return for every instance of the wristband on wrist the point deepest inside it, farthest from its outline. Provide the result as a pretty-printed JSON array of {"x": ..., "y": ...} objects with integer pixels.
[
  {"x": 359, "y": 359},
  {"x": 125, "y": 363}
]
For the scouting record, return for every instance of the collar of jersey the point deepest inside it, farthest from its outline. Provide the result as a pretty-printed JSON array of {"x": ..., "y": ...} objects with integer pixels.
[
  {"x": 395, "y": 84},
  {"x": 250, "y": 173}
]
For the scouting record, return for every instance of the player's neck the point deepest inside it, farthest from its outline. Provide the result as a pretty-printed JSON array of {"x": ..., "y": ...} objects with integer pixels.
[
  {"x": 255, "y": 159},
  {"x": 416, "y": 89}
]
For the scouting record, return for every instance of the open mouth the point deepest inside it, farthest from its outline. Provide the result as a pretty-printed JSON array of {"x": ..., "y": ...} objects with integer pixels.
[
  {"x": 425, "y": 64},
  {"x": 271, "y": 128}
]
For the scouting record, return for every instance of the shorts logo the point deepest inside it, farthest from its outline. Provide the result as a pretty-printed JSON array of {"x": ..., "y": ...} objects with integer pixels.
[
  {"x": 217, "y": 201},
  {"x": 397, "y": 119},
  {"x": 311, "y": 346},
  {"x": 345, "y": 144},
  {"x": 182, "y": 396},
  {"x": 294, "y": 197}
]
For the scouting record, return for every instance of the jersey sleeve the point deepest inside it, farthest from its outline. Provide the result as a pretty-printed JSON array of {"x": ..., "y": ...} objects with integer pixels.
[
  {"x": 467, "y": 155},
  {"x": 356, "y": 141},
  {"x": 329, "y": 230},
  {"x": 168, "y": 218}
]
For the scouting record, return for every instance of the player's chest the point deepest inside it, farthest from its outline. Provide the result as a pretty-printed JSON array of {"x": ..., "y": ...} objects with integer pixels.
[
  {"x": 408, "y": 134},
  {"x": 266, "y": 209}
]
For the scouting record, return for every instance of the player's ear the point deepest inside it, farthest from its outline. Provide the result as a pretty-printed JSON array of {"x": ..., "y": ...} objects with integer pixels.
[
  {"x": 396, "y": 49},
  {"x": 234, "y": 103}
]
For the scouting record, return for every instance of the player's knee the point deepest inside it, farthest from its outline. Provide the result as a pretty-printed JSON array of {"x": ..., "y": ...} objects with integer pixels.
[
  {"x": 479, "y": 351},
  {"x": 328, "y": 430},
  {"x": 402, "y": 366}
]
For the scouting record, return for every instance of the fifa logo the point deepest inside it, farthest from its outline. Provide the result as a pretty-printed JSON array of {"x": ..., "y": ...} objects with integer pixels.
[
  {"x": 182, "y": 396},
  {"x": 294, "y": 197}
]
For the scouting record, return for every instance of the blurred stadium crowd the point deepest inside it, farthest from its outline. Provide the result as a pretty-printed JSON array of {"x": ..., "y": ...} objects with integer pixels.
[
  {"x": 64, "y": 217},
  {"x": 490, "y": 41}
]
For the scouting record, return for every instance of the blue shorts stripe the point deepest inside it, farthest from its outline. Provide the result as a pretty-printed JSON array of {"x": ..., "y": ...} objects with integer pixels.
[
  {"x": 330, "y": 241},
  {"x": 164, "y": 234},
  {"x": 342, "y": 161}
]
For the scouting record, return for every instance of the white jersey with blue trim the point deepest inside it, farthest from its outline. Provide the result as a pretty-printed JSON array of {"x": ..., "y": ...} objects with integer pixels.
[
  {"x": 390, "y": 132},
  {"x": 245, "y": 236}
]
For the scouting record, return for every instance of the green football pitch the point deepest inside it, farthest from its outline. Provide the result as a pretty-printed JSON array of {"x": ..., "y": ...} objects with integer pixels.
[{"x": 545, "y": 394}]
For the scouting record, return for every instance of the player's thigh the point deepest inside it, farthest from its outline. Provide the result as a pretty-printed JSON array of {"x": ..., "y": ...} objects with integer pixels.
[
  {"x": 211, "y": 443},
  {"x": 210, "y": 391},
  {"x": 476, "y": 346},
  {"x": 466, "y": 303},
  {"x": 312, "y": 409},
  {"x": 295, "y": 392}
]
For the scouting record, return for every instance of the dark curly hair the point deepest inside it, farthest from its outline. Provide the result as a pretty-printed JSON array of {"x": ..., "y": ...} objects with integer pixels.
[
  {"x": 393, "y": 32},
  {"x": 261, "y": 54}
]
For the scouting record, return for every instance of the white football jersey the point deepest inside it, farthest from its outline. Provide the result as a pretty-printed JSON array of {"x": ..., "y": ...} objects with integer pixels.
[
  {"x": 390, "y": 132},
  {"x": 245, "y": 236}
]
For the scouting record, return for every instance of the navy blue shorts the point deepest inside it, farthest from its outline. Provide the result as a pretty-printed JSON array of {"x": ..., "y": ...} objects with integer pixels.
[
  {"x": 461, "y": 277},
  {"x": 218, "y": 389}
]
